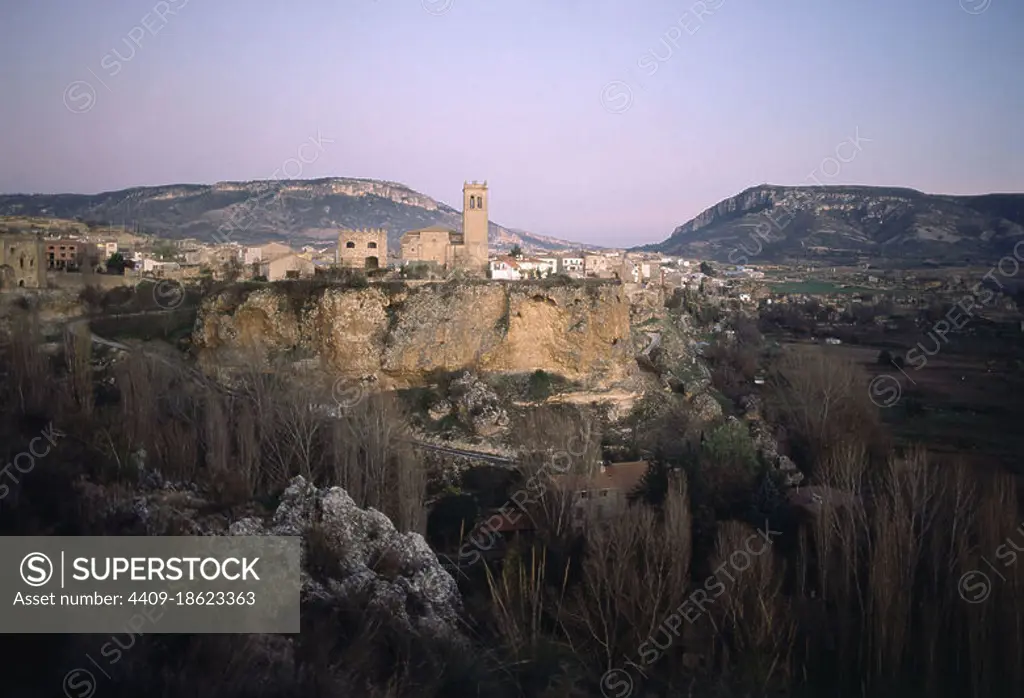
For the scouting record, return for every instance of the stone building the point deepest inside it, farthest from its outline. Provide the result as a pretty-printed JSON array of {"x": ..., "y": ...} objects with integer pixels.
[
  {"x": 71, "y": 255},
  {"x": 448, "y": 248},
  {"x": 366, "y": 248},
  {"x": 605, "y": 493},
  {"x": 22, "y": 262},
  {"x": 288, "y": 266}
]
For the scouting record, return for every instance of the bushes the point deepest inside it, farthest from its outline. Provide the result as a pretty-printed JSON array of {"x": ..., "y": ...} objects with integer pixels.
[
  {"x": 823, "y": 403},
  {"x": 540, "y": 386},
  {"x": 728, "y": 467}
]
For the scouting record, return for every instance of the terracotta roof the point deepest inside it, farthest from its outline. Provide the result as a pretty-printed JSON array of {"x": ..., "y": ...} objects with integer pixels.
[{"x": 509, "y": 261}]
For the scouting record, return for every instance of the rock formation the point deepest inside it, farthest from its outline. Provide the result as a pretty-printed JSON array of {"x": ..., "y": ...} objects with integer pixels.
[
  {"x": 397, "y": 572},
  {"x": 348, "y": 553},
  {"x": 581, "y": 332}
]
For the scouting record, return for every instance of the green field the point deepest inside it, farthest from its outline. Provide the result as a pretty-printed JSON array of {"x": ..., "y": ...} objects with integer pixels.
[{"x": 817, "y": 288}]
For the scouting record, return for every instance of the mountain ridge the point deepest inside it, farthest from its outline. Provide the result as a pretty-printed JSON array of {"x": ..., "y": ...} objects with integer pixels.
[
  {"x": 295, "y": 211},
  {"x": 839, "y": 223}
]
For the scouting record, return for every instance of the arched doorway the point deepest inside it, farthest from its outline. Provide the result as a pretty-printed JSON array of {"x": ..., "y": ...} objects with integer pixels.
[{"x": 372, "y": 263}]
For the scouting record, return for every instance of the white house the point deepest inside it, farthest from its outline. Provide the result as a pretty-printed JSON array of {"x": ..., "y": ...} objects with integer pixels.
[
  {"x": 552, "y": 263},
  {"x": 155, "y": 266},
  {"x": 505, "y": 268},
  {"x": 568, "y": 264},
  {"x": 545, "y": 266}
]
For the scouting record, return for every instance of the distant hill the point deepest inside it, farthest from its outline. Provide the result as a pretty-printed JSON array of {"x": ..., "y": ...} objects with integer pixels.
[
  {"x": 840, "y": 224},
  {"x": 293, "y": 211}
]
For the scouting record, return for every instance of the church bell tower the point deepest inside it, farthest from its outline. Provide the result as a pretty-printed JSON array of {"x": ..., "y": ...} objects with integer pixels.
[{"x": 474, "y": 224}]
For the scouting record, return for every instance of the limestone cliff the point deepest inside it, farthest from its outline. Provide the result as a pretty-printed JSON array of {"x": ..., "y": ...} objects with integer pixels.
[
  {"x": 774, "y": 223},
  {"x": 401, "y": 334}
]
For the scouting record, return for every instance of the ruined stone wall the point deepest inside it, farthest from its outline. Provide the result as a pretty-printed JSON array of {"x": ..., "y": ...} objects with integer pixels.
[
  {"x": 22, "y": 262},
  {"x": 355, "y": 247}
]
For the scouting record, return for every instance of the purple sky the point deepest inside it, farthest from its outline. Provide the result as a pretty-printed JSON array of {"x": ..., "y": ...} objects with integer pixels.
[{"x": 528, "y": 94}]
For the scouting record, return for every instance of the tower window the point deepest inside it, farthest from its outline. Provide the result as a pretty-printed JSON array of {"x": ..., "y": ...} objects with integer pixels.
[
  {"x": 350, "y": 245},
  {"x": 372, "y": 245},
  {"x": 472, "y": 202}
]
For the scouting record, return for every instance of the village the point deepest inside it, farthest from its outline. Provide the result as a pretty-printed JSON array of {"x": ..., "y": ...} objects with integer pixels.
[{"x": 43, "y": 253}]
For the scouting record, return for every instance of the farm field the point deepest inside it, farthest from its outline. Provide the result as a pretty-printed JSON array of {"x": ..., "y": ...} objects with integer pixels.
[
  {"x": 817, "y": 288},
  {"x": 962, "y": 405}
]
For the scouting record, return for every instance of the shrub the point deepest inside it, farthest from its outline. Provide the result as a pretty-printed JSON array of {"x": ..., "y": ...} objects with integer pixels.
[
  {"x": 728, "y": 467},
  {"x": 540, "y": 387}
]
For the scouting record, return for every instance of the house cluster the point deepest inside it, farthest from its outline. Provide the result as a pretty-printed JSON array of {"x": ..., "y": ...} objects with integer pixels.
[
  {"x": 629, "y": 267},
  {"x": 434, "y": 250},
  {"x": 26, "y": 258}
]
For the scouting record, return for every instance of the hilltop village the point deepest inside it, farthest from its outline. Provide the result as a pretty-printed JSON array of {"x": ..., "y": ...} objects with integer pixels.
[{"x": 46, "y": 252}]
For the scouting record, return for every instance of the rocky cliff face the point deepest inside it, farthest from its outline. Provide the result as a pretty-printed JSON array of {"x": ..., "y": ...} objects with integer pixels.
[
  {"x": 401, "y": 335},
  {"x": 771, "y": 223}
]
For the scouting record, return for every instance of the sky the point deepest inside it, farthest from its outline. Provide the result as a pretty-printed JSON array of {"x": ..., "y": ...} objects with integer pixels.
[{"x": 602, "y": 121}]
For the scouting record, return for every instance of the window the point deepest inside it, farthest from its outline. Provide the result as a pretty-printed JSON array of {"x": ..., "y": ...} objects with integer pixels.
[
  {"x": 350, "y": 245},
  {"x": 584, "y": 494},
  {"x": 472, "y": 202},
  {"x": 604, "y": 493},
  {"x": 372, "y": 245}
]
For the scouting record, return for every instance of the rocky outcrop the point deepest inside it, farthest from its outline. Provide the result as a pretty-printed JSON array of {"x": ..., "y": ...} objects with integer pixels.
[
  {"x": 395, "y": 572},
  {"x": 768, "y": 446},
  {"x": 349, "y": 554},
  {"x": 477, "y": 405},
  {"x": 581, "y": 332}
]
